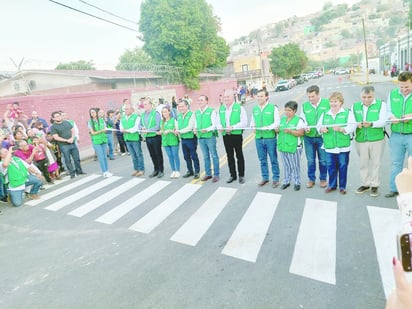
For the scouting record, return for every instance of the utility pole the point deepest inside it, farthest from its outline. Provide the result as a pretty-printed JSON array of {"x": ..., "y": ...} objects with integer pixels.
[{"x": 366, "y": 51}]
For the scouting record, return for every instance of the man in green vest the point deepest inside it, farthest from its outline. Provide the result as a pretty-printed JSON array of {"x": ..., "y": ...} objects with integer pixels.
[
  {"x": 370, "y": 115},
  {"x": 19, "y": 175},
  {"x": 311, "y": 111},
  {"x": 265, "y": 119},
  {"x": 400, "y": 115},
  {"x": 207, "y": 123},
  {"x": 233, "y": 119},
  {"x": 186, "y": 124},
  {"x": 129, "y": 126}
]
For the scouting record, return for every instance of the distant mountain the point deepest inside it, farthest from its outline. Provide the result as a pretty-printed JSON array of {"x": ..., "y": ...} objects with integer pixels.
[{"x": 336, "y": 32}]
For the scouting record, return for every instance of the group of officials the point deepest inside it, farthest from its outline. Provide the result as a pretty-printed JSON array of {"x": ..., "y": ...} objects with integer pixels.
[{"x": 324, "y": 130}]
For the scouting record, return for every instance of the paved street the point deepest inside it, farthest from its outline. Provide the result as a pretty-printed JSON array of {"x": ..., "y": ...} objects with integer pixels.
[{"x": 125, "y": 242}]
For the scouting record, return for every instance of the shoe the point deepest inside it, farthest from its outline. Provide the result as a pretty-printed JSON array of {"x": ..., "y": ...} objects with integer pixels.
[
  {"x": 177, "y": 174},
  {"x": 160, "y": 175},
  {"x": 139, "y": 173},
  {"x": 231, "y": 179},
  {"x": 51, "y": 182},
  {"x": 71, "y": 176},
  {"x": 242, "y": 180},
  {"x": 374, "y": 191},
  {"x": 296, "y": 187},
  {"x": 215, "y": 179},
  {"x": 342, "y": 191},
  {"x": 135, "y": 173},
  {"x": 284, "y": 186},
  {"x": 42, "y": 187},
  {"x": 4, "y": 200},
  {"x": 34, "y": 196},
  {"x": 173, "y": 175},
  {"x": 206, "y": 178},
  {"x": 111, "y": 158},
  {"x": 275, "y": 184},
  {"x": 310, "y": 184},
  {"x": 154, "y": 174},
  {"x": 188, "y": 174},
  {"x": 81, "y": 173},
  {"x": 362, "y": 189},
  {"x": 123, "y": 154},
  {"x": 107, "y": 174},
  {"x": 329, "y": 190},
  {"x": 391, "y": 194},
  {"x": 262, "y": 183},
  {"x": 196, "y": 176},
  {"x": 323, "y": 184}
]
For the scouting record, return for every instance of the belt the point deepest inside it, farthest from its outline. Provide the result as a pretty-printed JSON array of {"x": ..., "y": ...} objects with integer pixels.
[{"x": 402, "y": 133}]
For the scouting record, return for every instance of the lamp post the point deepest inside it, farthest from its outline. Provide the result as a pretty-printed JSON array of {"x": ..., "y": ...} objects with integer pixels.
[{"x": 366, "y": 51}]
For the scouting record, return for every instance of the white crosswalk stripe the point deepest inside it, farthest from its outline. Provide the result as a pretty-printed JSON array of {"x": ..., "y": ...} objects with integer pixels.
[
  {"x": 314, "y": 254},
  {"x": 133, "y": 202}
]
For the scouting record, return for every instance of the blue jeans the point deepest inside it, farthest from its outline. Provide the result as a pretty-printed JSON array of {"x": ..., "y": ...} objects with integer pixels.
[
  {"x": 189, "y": 153},
  {"x": 101, "y": 151},
  {"x": 70, "y": 151},
  {"x": 135, "y": 149},
  {"x": 2, "y": 188},
  {"x": 110, "y": 144},
  {"x": 173, "y": 155},
  {"x": 208, "y": 147},
  {"x": 313, "y": 147},
  {"x": 265, "y": 147},
  {"x": 337, "y": 164},
  {"x": 399, "y": 144},
  {"x": 16, "y": 196}
]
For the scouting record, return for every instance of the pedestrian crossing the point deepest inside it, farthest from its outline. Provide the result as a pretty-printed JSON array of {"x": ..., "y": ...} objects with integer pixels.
[{"x": 314, "y": 254}]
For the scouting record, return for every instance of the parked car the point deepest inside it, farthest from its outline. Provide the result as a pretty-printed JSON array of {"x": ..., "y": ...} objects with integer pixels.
[
  {"x": 341, "y": 71},
  {"x": 282, "y": 85},
  {"x": 299, "y": 79}
]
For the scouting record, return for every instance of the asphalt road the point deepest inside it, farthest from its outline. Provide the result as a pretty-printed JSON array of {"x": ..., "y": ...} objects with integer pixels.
[{"x": 148, "y": 243}]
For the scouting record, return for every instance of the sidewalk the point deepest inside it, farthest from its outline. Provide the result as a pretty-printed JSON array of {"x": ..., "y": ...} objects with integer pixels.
[{"x": 361, "y": 78}]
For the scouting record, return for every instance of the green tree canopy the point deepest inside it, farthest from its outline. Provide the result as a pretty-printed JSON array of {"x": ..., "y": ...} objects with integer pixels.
[
  {"x": 288, "y": 60},
  {"x": 183, "y": 33},
  {"x": 76, "y": 65},
  {"x": 133, "y": 59}
]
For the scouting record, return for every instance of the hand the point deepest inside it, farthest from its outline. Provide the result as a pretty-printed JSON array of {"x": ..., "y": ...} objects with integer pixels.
[
  {"x": 404, "y": 179},
  {"x": 401, "y": 297},
  {"x": 366, "y": 124}
]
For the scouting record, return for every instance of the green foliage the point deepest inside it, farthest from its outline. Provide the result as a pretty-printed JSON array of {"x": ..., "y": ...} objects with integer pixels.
[
  {"x": 346, "y": 34},
  {"x": 287, "y": 60},
  {"x": 132, "y": 59},
  {"x": 182, "y": 33},
  {"x": 76, "y": 65}
]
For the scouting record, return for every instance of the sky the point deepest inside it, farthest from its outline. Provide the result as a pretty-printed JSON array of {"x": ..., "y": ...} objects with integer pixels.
[{"x": 40, "y": 34}]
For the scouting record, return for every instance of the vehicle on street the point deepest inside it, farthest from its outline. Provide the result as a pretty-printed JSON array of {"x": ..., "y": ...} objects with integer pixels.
[
  {"x": 299, "y": 79},
  {"x": 282, "y": 85},
  {"x": 341, "y": 71}
]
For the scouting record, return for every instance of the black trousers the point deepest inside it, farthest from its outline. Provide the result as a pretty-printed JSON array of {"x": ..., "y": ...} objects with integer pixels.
[
  {"x": 233, "y": 143},
  {"x": 154, "y": 144}
]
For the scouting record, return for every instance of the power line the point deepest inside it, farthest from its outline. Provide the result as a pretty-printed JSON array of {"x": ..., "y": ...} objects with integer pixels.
[
  {"x": 110, "y": 13},
  {"x": 100, "y": 18}
]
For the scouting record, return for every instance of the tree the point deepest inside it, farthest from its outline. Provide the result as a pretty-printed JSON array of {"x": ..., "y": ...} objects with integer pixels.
[
  {"x": 287, "y": 60},
  {"x": 182, "y": 33},
  {"x": 76, "y": 65},
  {"x": 132, "y": 59}
]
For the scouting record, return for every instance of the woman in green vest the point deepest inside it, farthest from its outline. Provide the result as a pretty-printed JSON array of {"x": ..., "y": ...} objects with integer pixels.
[
  {"x": 97, "y": 131},
  {"x": 336, "y": 126},
  {"x": 170, "y": 140},
  {"x": 290, "y": 144}
]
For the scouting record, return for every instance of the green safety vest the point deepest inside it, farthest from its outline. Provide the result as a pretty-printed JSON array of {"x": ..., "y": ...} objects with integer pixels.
[
  {"x": 169, "y": 139},
  {"x": 17, "y": 173},
  {"x": 264, "y": 118},
  {"x": 128, "y": 123},
  {"x": 183, "y": 122},
  {"x": 369, "y": 134},
  {"x": 399, "y": 108},
  {"x": 100, "y": 138},
  {"x": 204, "y": 121},
  {"x": 234, "y": 118},
  {"x": 313, "y": 114},
  {"x": 333, "y": 139},
  {"x": 150, "y": 123},
  {"x": 287, "y": 142}
]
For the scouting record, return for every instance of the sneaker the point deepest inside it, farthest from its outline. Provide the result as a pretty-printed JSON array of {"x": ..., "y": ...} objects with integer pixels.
[
  {"x": 177, "y": 174},
  {"x": 374, "y": 191},
  {"x": 107, "y": 174},
  {"x": 362, "y": 189},
  {"x": 391, "y": 194},
  {"x": 173, "y": 175},
  {"x": 34, "y": 196},
  {"x": 139, "y": 173}
]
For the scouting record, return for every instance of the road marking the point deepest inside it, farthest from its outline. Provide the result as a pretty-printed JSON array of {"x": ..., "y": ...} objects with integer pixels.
[
  {"x": 106, "y": 197},
  {"x": 60, "y": 191},
  {"x": 133, "y": 202},
  {"x": 248, "y": 237},
  {"x": 385, "y": 224},
  {"x": 156, "y": 216},
  {"x": 82, "y": 193},
  {"x": 192, "y": 231},
  {"x": 315, "y": 249}
]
